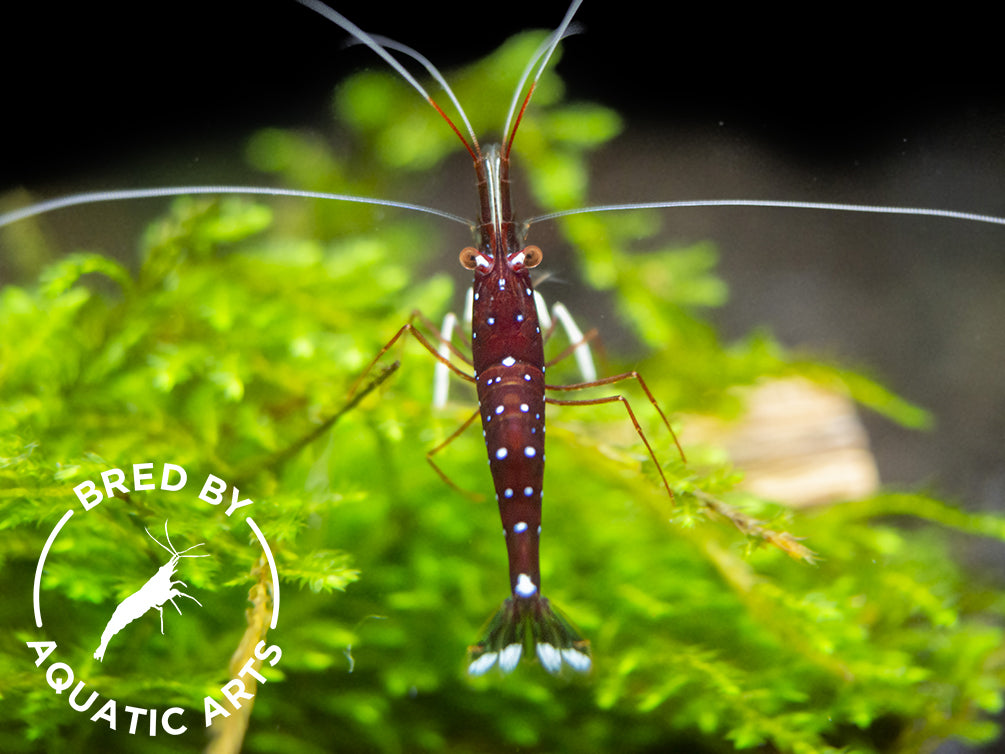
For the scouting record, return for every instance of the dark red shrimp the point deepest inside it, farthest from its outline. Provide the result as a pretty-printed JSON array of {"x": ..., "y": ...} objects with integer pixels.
[
  {"x": 508, "y": 354},
  {"x": 507, "y": 349}
]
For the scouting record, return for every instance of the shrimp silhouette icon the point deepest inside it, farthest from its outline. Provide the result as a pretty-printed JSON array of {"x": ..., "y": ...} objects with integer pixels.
[{"x": 153, "y": 594}]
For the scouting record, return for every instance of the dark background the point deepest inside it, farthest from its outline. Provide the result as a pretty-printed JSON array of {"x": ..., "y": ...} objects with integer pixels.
[
  {"x": 719, "y": 103},
  {"x": 88, "y": 83}
]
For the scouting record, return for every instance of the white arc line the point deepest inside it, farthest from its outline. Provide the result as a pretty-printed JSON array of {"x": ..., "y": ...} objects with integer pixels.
[
  {"x": 41, "y": 564},
  {"x": 272, "y": 565}
]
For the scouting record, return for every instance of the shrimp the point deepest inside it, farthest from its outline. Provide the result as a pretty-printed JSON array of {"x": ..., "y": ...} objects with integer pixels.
[
  {"x": 158, "y": 590},
  {"x": 507, "y": 349}
]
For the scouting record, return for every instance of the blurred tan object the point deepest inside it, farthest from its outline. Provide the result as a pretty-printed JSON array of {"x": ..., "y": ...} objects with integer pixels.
[{"x": 798, "y": 444}]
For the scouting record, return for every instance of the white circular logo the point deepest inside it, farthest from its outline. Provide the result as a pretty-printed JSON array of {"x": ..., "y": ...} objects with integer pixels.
[{"x": 165, "y": 586}]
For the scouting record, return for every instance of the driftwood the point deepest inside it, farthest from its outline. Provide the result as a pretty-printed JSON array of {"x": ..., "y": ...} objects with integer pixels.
[{"x": 798, "y": 444}]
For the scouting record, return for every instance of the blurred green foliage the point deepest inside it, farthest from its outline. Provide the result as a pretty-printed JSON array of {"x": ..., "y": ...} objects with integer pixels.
[{"x": 242, "y": 327}]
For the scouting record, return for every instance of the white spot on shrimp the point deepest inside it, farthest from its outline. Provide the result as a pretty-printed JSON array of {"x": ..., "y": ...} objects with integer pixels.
[
  {"x": 491, "y": 320},
  {"x": 525, "y": 587},
  {"x": 528, "y": 491},
  {"x": 502, "y": 453},
  {"x": 519, "y": 318},
  {"x": 539, "y": 530},
  {"x": 537, "y": 416},
  {"x": 508, "y": 492},
  {"x": 477, "y": 296},
  {"x": 502, "y": 284},
  {"x": 528, "y": 291},
  {"x": 508, "y": 361},
  {"x": 530, "y": 451},
  {"x": 524, "y": 407},
  {"x": 527, "y": 377},
  {"x": 519, "y": 528},
  {"x": 499, "y": 409}
]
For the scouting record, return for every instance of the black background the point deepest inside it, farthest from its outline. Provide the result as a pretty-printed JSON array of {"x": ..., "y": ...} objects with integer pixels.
[{"x": 87, "y": 83}]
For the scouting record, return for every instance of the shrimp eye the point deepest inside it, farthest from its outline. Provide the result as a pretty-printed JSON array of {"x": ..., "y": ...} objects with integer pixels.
[
  {"x": 532, "y": 256},
  {"x": 469, "y": 257}
]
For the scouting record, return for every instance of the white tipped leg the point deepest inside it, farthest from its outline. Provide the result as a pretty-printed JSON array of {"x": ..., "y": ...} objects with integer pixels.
[
  {"x": 543, "y": 316},
  {"x": 469, "y": 307},
  {"x": 584, "y": 356},
  {"x": 581, "y": 349},
  {"x": 441, "y": 377}
]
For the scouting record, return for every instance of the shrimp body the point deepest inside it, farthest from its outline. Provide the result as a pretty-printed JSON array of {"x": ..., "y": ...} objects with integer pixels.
[
  {"x": 158, "y": 589},
  {"x": 508, "y": 357}
]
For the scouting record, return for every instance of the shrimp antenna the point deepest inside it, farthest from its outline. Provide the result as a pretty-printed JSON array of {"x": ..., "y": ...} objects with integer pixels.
[
  {"x": 433, "y": 71},
  {"x": 171, "y": 549},
  {"x": 784, "y": 204},
  {"x": 549, "y": 46},
  {"x": 94, "y": 197},
  {"x": 544, "y": 47},
  {"x": 382, "y": 50}
]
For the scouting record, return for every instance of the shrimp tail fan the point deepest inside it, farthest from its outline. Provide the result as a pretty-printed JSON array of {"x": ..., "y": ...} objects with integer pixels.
[{"x": 529, "y": 624}]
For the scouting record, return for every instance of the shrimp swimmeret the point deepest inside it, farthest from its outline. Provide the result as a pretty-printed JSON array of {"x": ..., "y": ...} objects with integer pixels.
[{"x": 158, "y": 590}]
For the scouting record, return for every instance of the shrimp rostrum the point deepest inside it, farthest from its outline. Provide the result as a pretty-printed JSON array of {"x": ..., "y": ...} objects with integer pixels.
[{"x": 152, "y": 595}]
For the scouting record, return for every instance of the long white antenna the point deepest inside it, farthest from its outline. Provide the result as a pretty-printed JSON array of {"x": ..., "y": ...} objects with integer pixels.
[
  {"x": 93, "y": 197},
  {"x": 832, "y": 206},
  {"x": 340, "y": 20},
  {"x": 434, "y": 72},
  {"x": 381, "y": 49},
  {"x": 551, "y": 44}
]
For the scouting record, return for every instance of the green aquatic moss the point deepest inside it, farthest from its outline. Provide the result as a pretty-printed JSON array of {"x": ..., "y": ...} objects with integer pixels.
[{"x": 230, "y": 346}]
